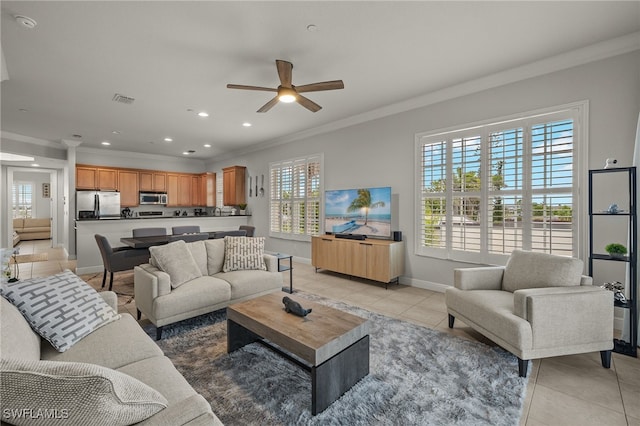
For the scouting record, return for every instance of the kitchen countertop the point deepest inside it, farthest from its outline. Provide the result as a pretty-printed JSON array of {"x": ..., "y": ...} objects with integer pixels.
[{"x": 162, "y": 217}]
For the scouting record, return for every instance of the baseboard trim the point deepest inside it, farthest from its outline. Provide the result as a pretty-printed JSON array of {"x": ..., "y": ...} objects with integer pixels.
[
  {"x": 89, "y": 270},
  {"x": 427, "y": 285}
]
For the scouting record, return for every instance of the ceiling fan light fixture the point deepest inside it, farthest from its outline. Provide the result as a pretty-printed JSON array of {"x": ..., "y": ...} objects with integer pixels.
[{"x": 286, "y": 95}]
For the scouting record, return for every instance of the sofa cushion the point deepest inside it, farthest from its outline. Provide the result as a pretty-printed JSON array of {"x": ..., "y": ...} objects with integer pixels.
[
  {"x": 215, "y": 255},
  {"x": 18, "y": 223},
  {"x": 243, "y": 253},
  {"x": 176, "y": 260},
  {"x": 17, "y": 339},
  {"x": 61, "y": 308},
  {"x": 199, "y": 253},
  {"x": 80, "y": 393},
  {"x": 38, "y": 223},
  {"x": 247, "y": 283},
  {"x": 197, "y": 294},
  {"x": 114, "y": 345},
  {"x": 527, "y": 269}
]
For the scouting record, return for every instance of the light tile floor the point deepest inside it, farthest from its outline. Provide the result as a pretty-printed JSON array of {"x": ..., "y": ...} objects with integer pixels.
[{"x": 568, "y": 390}]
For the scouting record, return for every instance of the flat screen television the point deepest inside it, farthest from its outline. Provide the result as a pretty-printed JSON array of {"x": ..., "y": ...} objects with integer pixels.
[{"x": 365, "y": 211}]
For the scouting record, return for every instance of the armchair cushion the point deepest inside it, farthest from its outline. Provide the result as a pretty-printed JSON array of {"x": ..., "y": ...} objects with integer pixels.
[
  {"x": 176, "y": 260},
  {"x": 534, "y": 270},
  {"x": 81, "y": 393},
  {"x": 61, "y": 308}
]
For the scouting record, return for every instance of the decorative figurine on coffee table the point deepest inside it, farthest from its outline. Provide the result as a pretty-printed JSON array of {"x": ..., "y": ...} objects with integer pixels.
[{"x": 293, "y": 307}]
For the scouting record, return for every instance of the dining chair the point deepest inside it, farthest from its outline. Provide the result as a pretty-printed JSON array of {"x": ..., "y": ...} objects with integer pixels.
[
  {"x": 249, "y": 229},
  {"x": 116, "y": 259},
  {"x": 149, "y": 232},
  {"x": 188, "y": 229}
]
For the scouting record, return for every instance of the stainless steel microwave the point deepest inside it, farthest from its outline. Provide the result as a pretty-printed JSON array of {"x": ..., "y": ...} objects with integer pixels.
[{"x": 153, "y": 198}]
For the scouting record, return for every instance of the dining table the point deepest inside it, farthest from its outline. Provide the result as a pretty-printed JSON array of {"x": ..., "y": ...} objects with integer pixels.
[{"x": 158, "y": 240}]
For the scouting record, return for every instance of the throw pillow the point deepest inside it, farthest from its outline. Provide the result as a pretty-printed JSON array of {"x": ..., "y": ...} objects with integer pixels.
[
  {"x": 73, "y": 393},
  {"x": 175, "y": 259},
  {"x": 527, "y": 269},
  {"x": 61, "y": 308},
  {"x": 242, "y": 253},
  {"x": 199, "y": 253}
]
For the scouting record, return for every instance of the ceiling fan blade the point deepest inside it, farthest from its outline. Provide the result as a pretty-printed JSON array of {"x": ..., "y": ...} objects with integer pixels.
[
  {"x": 308, "y": 103},
  {"x": 243, "y": 87},
  {"x": 266, "y": 107},
  {"x": 284, "y": 72},
  {"x": 317, "y": 87}
]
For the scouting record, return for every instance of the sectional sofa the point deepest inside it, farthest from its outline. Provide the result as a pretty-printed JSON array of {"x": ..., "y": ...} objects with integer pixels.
[{"x": 31, "y": 229}]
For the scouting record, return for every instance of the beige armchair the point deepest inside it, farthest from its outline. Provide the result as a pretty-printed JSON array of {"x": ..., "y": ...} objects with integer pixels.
[{"x": 537, "y": 306}]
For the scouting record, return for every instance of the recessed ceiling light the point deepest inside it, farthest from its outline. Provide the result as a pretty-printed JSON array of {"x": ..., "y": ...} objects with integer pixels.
[
  {"x": 23, "y": 110},
  {"x": 185, "y": 153},
  {"x": 203, "y": 114},
  {"x": 5, "y": 156},
  {"x": 115, "y": 132},
  {"x": 77, "y": 136},
  {"x": 106, "y": 143},
  {"x": 312, "y": 28},
  {"x": 246, "y": 124},
  {"x": 207, "y": 145},
  {"x": 35, "y": 165},
  {"x": 168, "y": 140},
  {"x": 191, "y": 151},
  {"x": 25, "y": 21}
]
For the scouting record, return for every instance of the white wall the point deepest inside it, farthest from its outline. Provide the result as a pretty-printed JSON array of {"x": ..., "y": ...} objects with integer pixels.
[
  {"x": 381, "y": 152},
  {"x": 101, "y": 157}
]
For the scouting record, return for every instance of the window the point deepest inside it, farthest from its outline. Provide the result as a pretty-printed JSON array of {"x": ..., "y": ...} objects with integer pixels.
[
  {"x": 295, "y": 197},
  {"x": 485, "y": 190},
  {"x": 22, "y": 196}
]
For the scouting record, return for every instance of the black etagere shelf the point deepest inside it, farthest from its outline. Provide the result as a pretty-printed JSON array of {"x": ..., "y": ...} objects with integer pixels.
[{"x": 629, "y": 173}]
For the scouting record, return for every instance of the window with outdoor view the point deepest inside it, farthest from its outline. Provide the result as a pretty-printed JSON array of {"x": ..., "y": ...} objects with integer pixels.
[
  {"x": 22, "y": 196},
  {"x": 295, "y": 197},
  {"x": 485, "y": 190}
]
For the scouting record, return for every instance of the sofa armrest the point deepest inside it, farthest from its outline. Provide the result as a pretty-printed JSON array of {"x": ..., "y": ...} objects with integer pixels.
[
  {"x": 481, "y": 278},
  {"x": 586, "y": 280},
  {"x": 149, "y": 282},
  {"x": 562, "y": 316},
  {"x": 193, "y": 410},
  {"x": 111, "y": 298},
  {"x": 271, "y": 262}
]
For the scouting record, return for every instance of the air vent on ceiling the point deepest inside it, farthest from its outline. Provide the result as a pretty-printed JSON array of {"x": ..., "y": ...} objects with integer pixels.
[{"x": 123, "y": 99}]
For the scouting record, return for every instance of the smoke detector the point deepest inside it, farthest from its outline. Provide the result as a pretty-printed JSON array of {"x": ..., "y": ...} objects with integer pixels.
[{"x": 25, "y": 21}]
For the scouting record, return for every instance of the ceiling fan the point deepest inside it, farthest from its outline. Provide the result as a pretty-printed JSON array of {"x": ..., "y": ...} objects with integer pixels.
[{"x": 287, "y": 92}]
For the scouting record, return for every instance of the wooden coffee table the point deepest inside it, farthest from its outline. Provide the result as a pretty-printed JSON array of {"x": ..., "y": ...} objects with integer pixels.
[{"x": 334, "y": 345}]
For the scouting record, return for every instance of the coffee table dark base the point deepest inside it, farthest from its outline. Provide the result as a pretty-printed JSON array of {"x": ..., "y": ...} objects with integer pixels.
[{"x": 329, "y": 380}]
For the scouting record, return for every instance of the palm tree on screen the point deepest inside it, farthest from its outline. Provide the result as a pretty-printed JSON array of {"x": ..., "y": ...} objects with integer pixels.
[{"x": 363, "y": 202}]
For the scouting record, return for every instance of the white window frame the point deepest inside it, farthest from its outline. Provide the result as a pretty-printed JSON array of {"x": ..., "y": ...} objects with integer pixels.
[
  {"x": 306, "y": 199},
  {"x": 578, "y": 111},
  {"x": 19, "y": 184}
]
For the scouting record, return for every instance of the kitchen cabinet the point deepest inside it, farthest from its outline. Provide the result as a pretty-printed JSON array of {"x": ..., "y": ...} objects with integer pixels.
[
  {"x": 209, "y": 184},
  {"x": 197, "y": 191},
  {"x": 234, "y": 183},
  {"x": 153, "y": 181},
  {"x": 128, "y": 187},
  {"x": 179, "y": 190},
  {"x": 103, "y": 179},
  {"x": 378, "y": 260}
]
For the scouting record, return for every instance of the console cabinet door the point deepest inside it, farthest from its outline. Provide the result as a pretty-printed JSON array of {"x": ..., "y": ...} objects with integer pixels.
[{"x": 324, "y": 253}]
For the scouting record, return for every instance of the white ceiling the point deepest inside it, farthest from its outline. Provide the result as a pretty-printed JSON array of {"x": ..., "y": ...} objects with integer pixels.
[{"x": 173, "y": 56}]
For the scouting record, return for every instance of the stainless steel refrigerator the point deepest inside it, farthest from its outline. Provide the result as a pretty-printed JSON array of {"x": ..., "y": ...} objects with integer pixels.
[{"x": 97, "y": 205}]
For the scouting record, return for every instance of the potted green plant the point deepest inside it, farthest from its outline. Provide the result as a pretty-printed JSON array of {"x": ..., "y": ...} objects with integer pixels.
[
  {"x": 616, "y": 250},
  {"x": 243, "y": 208}
]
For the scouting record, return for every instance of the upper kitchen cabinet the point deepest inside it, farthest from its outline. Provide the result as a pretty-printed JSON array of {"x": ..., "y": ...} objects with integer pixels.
[
  {"x": 234, "y": 182},
  {"x": 128, "y": 187},
  {"x": 153, "y": 181},
  {"x": 102, "y": 179}
]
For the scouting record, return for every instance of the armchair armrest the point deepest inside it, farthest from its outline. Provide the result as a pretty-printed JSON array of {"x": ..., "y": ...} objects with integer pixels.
[
  {"x": 111, "y": 298},
  {"x": 480, "y": 278},
  {"x": 561, "y": 316},
  {"x": 271, "y": 262}
]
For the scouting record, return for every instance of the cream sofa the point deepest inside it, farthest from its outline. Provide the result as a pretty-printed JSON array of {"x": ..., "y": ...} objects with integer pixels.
[
  {"x": 192, "y": 282},
  {"x": 537, "y": 306},
  {"x": 32, "y": 229},
  {"x": 120, "y": 345}
]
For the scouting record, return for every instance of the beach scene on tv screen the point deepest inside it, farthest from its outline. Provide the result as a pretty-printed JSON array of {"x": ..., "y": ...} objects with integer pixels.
[{"x": 358, "y": 211}]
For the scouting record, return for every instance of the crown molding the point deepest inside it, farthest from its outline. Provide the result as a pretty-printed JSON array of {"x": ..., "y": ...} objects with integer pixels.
[
  {"x": 128, "y": 154},
  {"x": 28, "y": 139}
]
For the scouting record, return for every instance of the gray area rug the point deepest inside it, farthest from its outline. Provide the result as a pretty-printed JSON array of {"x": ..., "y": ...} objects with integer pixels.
[{"x": 418, "y": 376}]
